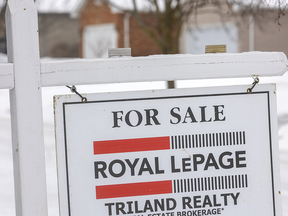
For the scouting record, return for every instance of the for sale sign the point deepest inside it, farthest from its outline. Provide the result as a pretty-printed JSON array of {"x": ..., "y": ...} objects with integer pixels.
[{"x": 182, "y": 152}]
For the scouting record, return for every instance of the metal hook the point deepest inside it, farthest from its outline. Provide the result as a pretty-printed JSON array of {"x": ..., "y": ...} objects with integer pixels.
[
  {"x": 74, "y": 90},
  {"x": 256, "y": 80}
]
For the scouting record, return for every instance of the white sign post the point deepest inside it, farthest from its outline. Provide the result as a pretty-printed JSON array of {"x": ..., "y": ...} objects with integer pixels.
[
  {"x": 25, "y": 75},
  {"x": 26, "y": 109},
  {"x": 211, "y": 151}
]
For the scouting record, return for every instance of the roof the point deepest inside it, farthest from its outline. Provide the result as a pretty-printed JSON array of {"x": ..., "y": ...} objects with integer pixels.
[{"x": 74, "y": 6}]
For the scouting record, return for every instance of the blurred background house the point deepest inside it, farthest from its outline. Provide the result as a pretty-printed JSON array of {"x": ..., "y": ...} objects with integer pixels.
[
  {"x": 102, "y": 27},
  {"x": 59, "y": 35},
  {"x": 87, "y": 28},
  {"x": 99, "y": 23}
]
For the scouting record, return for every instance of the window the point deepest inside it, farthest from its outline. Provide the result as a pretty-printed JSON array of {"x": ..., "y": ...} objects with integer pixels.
[
  {"x": 196, "y": 38},
  {"x": 97, "y": 39}
]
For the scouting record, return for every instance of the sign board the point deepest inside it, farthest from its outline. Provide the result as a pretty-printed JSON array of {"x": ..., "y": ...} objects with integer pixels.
[{"x": 181, "y": 152}]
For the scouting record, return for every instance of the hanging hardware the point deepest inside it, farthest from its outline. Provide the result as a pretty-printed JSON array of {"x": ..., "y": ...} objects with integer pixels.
[
  {"x": 74, "y": 90},
  {"x": 256, "y": 80}
]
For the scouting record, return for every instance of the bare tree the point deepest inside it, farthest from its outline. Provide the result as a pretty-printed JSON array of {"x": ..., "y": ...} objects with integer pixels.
[{"x": 163, "y": 20}]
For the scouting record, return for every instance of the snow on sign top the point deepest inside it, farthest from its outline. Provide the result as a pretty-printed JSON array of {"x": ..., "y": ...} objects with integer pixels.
[{"x": 206, "y": 151}]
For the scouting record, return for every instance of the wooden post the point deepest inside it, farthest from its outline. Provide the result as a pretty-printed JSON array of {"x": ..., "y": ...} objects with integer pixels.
[{"x": 26, "y": 109}]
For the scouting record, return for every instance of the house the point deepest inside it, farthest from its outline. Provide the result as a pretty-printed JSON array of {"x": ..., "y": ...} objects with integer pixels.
[
  {"x": 102, "y": 27},
  {"x": 58, "y": 35},
  {"x": 240, "y": 33},
  {"x": 58, "y": 30},
  {"x": 87, "y": 28}
]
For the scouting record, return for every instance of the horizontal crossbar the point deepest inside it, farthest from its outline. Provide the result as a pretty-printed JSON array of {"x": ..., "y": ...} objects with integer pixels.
[{"x": 154, "y": 68}]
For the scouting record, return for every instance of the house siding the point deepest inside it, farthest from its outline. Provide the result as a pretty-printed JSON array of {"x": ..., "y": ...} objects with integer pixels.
[
  {"x": 58, "y": 35},
  {"x": 141, "y": 44}
]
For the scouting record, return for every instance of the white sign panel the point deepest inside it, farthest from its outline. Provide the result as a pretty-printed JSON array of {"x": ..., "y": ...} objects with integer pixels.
[{"x": 182, "y": 152}]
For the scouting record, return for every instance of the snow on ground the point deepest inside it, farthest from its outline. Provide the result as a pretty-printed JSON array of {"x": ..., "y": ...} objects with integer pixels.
[{"x": 7, "y": 206}]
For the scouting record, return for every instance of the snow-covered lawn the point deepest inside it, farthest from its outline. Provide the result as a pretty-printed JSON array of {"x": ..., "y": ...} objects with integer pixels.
[{"x": 7, "y": 206}]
